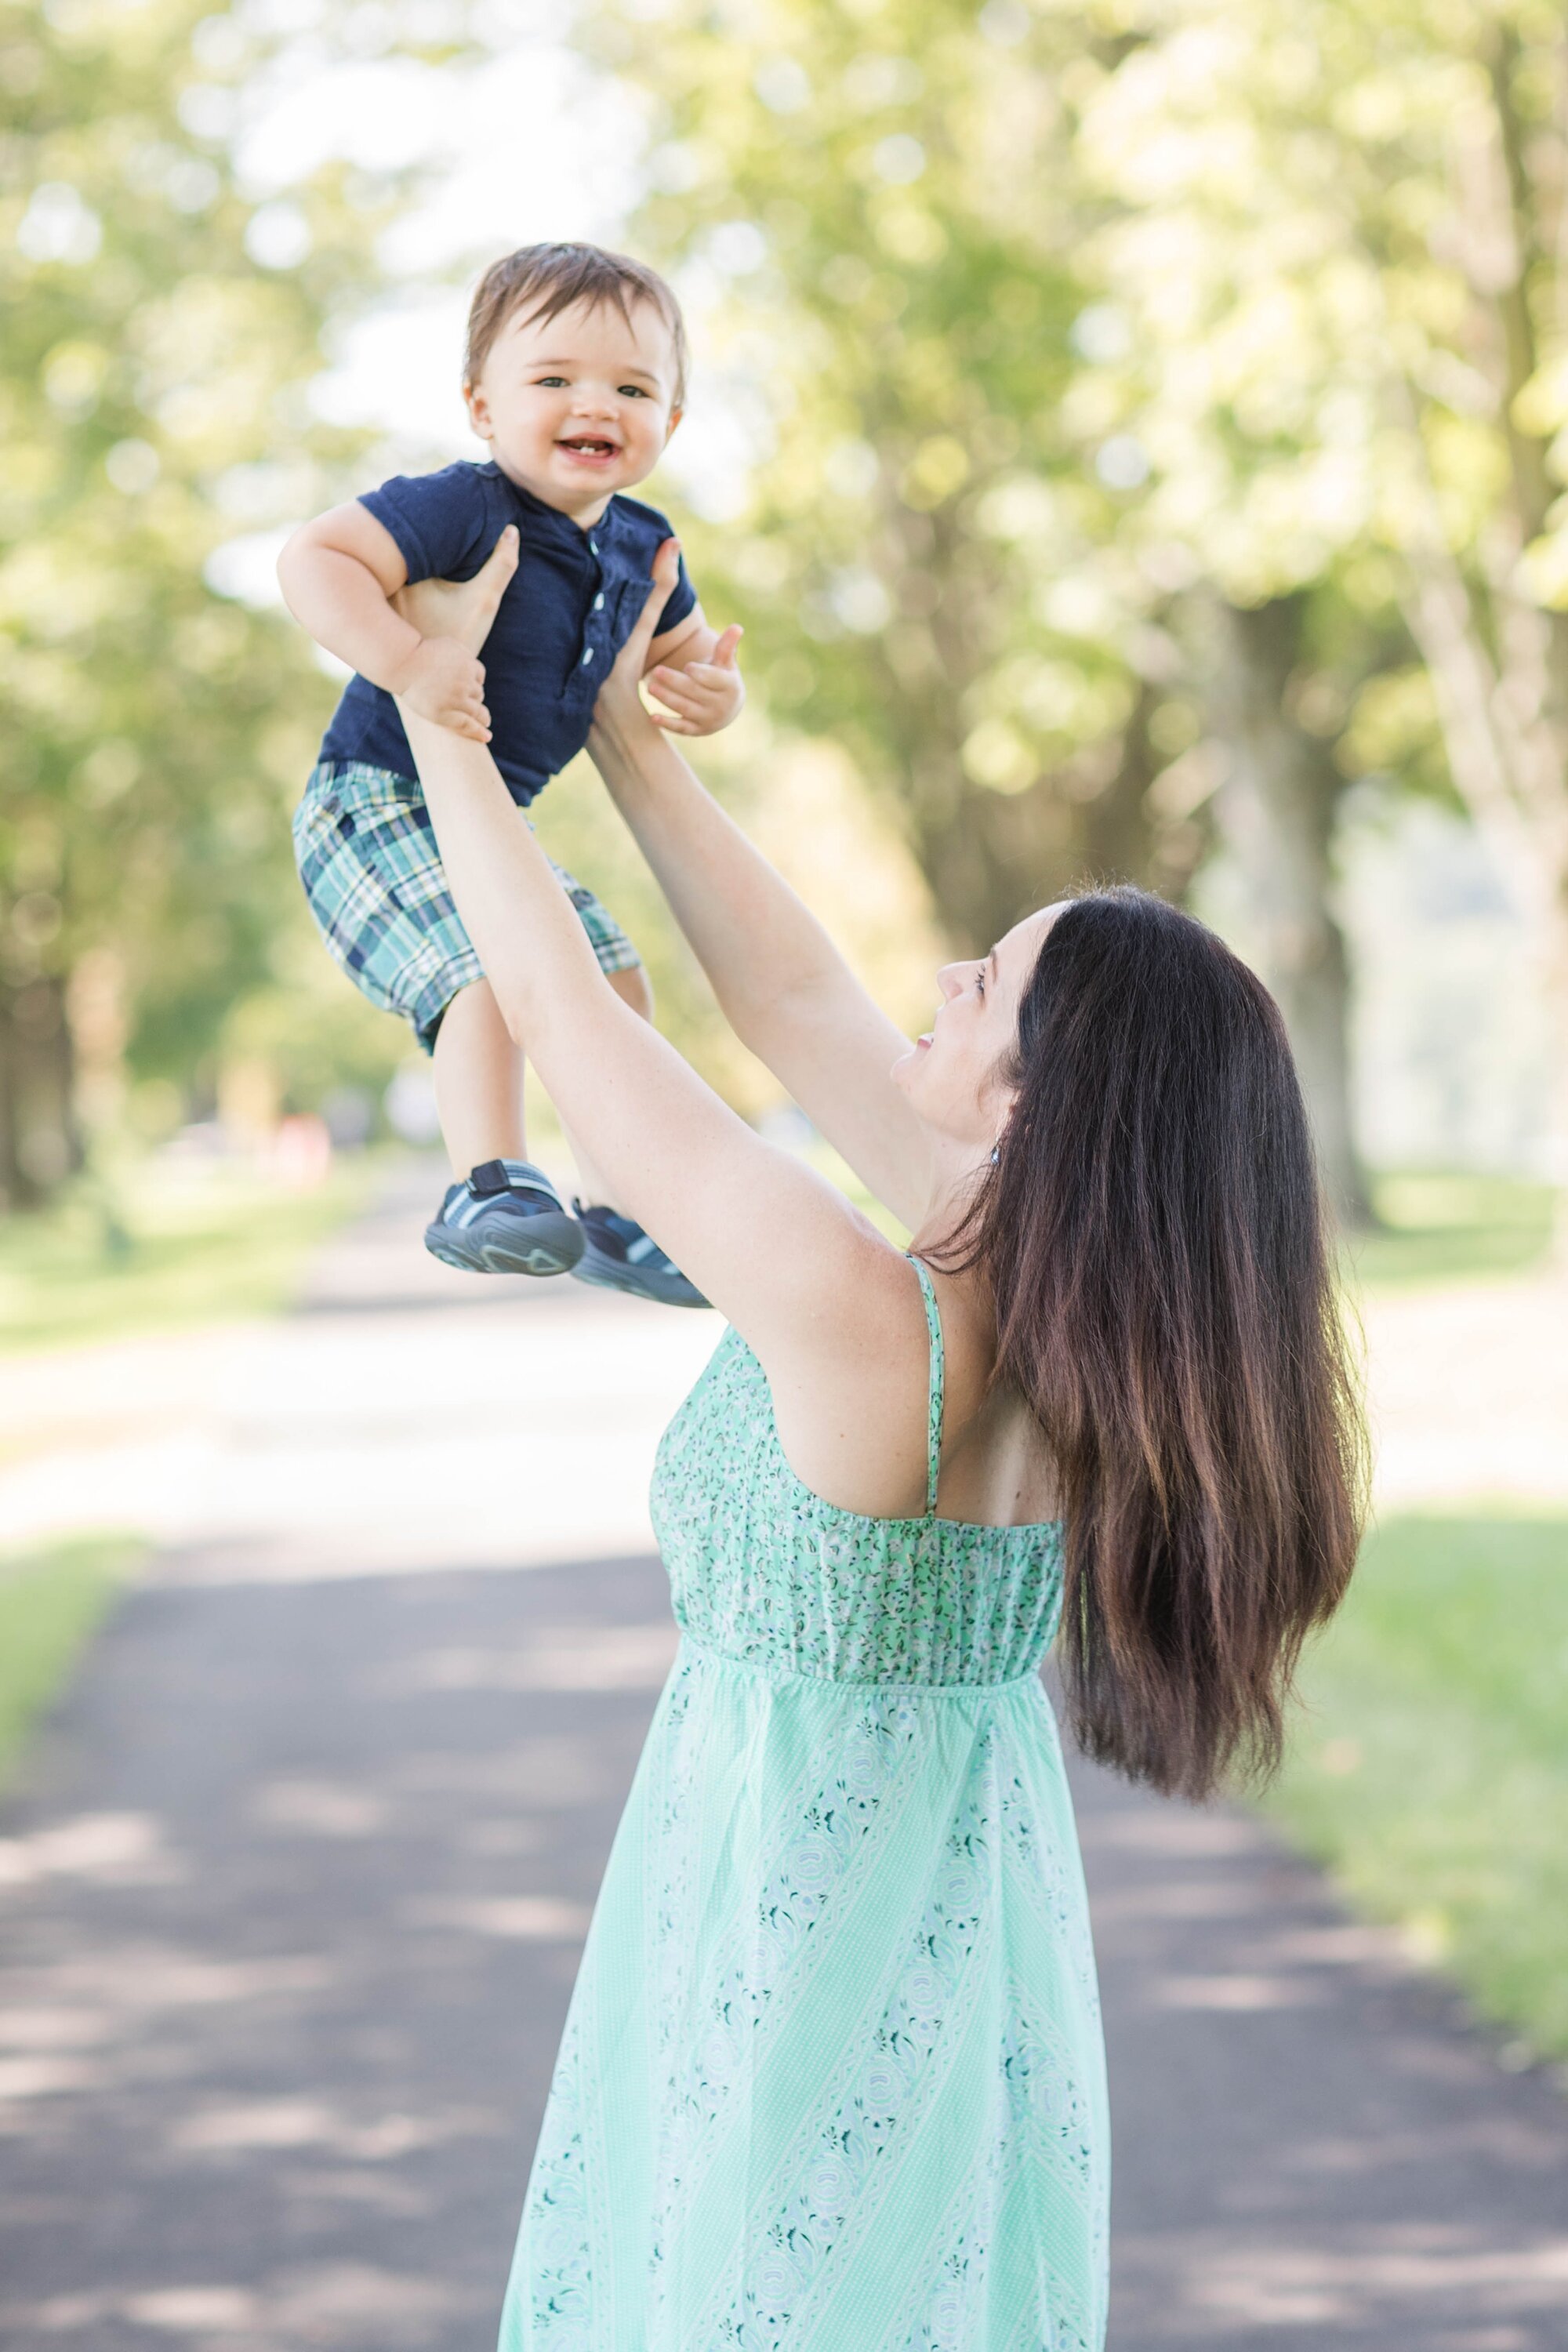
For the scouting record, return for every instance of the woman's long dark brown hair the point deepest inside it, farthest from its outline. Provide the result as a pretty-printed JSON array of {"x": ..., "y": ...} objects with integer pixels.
[{"x": 1154, "y": 1238}]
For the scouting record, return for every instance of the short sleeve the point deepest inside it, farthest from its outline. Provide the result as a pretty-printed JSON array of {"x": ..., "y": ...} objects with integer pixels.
[
  {"x": 438, "y": 521},
  {"x": 678, "y": 604}
]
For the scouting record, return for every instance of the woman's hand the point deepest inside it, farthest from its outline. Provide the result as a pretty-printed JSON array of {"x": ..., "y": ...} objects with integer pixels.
[
  {"x": 623, "y": 724},
  {"x": 444, "y": 683},
  {"x": 446, "y": 679}
]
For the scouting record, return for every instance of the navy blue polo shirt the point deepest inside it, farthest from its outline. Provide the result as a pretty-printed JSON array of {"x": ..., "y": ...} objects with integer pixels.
[{"x": 574, "y": 601}]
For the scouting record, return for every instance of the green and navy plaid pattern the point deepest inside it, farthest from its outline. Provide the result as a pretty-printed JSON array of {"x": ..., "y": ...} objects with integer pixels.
[{"x": 366, "y": 852}]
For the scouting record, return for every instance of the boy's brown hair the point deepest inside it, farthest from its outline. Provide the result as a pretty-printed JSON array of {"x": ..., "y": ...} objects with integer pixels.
[{"x": 546, "y": 279}]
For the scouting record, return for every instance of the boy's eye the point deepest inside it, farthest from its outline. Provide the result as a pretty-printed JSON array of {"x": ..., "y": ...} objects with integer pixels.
[
  {"x": 549, "y": 382},
  {"x": 633, "y": 391}
]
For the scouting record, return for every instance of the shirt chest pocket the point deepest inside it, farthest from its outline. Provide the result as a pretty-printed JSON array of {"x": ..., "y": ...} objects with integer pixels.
[{"x": 624, "y": 602}]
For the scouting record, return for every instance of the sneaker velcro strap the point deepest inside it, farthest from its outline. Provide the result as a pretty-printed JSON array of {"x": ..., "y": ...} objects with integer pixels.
[{"x": 491, "y": 1178}]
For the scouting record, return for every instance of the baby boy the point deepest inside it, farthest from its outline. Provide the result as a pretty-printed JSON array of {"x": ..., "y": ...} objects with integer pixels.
[{"x": 575, "y": 376}]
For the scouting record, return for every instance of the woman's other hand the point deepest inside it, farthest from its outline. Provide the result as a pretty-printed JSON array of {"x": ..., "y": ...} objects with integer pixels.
[{"x": 621, "y": 720}]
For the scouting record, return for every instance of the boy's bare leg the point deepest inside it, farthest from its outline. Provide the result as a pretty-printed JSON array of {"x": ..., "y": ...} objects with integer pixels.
[
  {"x": 479, "y": 1082},
  {"x": 636, "y": 990},
  {"x": 504, "y": 1224}
]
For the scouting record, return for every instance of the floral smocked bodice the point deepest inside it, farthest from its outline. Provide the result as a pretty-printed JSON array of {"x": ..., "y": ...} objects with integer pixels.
[{"x": 766, "y": 1574}]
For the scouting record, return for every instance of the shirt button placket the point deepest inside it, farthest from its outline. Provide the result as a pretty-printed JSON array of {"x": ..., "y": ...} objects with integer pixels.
[{"x": 589, "y": 634}]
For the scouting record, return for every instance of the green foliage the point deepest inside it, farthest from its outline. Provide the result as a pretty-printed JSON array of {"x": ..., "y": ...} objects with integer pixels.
[
  {"x": 1056, "y": 333},
  {"x": 51, "y": 1601},
  {"x": 1430, "y": 1767},
  {"x": 880, "y": 231},
  {"x": 1333, "y": 233},
  {"x": 1049, "y": 331},
  {"x": 153, "y": 403}
]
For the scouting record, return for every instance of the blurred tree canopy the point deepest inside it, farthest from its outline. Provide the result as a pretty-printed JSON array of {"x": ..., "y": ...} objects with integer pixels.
[
  {"x": 162, "y": 330},
  {"x": 878, "y": 221},
  {"x": 1336, "y": 235},
  {"x": 1161, "y": 414},
  {"x": 1155, "y": 419},
  {"x": 904, "y": 261}
]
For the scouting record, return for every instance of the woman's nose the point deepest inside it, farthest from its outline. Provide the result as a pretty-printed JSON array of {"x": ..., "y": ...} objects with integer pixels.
[{"x": 950, "y": 979}]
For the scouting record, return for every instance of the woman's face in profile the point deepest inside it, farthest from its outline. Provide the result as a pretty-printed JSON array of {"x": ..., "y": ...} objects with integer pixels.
[{"x": 953, "y": 1073}]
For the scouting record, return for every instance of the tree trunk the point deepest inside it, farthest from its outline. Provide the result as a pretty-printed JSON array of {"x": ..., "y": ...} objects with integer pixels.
[
  {"x": 988, "y": 857},
  {"x": 1277, "y": 812},
  {"x": 1500, "y": 680},
  {"x": 40, "y": 1142}
]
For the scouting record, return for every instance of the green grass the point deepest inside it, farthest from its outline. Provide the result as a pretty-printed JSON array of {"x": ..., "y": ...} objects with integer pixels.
[
  {"x": 181, "y": 1246},
  {"x": 51, "y": 1601},
  {"x": 1430, "y": 1771},
  {"x": 1451, "y": 1228}
]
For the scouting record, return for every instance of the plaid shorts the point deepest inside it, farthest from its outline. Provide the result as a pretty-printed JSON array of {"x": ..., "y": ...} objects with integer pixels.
[{"x": 366, "y": 852}]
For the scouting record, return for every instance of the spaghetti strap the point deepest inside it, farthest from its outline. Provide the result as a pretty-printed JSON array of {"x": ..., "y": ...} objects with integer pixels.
[{"x": 937, "y": 1385}]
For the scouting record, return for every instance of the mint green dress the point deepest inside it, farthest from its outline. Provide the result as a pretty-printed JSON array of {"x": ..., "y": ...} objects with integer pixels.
[{"x": 832, "y": 2079}]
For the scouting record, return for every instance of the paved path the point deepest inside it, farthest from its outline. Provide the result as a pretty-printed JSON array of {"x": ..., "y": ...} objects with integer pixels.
[
  {"x": 291, "y": 1904},
  {"x": 244, "y": 1442}
]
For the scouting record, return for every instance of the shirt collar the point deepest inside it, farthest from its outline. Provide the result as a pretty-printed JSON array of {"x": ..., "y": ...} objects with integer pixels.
[{"x": 551, "y": 517}]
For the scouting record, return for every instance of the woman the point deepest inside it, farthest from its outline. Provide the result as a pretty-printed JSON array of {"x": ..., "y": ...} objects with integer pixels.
[{"x": 832, "y": 2075}]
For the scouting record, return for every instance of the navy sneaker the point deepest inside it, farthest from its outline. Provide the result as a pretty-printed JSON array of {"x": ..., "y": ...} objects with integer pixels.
[
  {"x": 506, "y": 1218},
  {"x": 618, "y": 1256}
]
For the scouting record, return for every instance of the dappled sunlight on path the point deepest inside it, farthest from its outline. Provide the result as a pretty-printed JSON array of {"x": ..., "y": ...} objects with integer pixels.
[
  {"x": 1314, "y": 2152},
  {"x": 275, "y": 2031}
]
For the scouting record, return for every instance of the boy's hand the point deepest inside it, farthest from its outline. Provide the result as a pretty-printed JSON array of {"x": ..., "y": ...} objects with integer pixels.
[
  {"x": 703, "y": 698},
  {"x": 445, "y": 683}
]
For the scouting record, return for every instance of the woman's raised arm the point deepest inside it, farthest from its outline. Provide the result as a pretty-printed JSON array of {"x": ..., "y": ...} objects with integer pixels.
[
  {"x": 826, "y": 1302},
  {"x": 783, "y": 985}
]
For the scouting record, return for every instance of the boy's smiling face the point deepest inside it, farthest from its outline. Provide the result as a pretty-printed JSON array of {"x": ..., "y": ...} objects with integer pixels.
[{"x": 577, "y": 406}]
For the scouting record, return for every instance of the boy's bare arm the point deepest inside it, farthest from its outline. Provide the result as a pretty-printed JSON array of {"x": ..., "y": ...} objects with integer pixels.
[
  {"x": 337, "y": 575},
  {"x": 691, "y": 668}
]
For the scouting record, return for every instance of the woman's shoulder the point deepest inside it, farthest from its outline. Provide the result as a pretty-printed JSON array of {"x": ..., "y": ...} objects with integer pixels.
[
  {"x": 997, "y": 1465},
  {"x": 847, "y": 1371},
  {"x": 873, "y": 1303},
  {"x": 853, "y": 1409}
]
